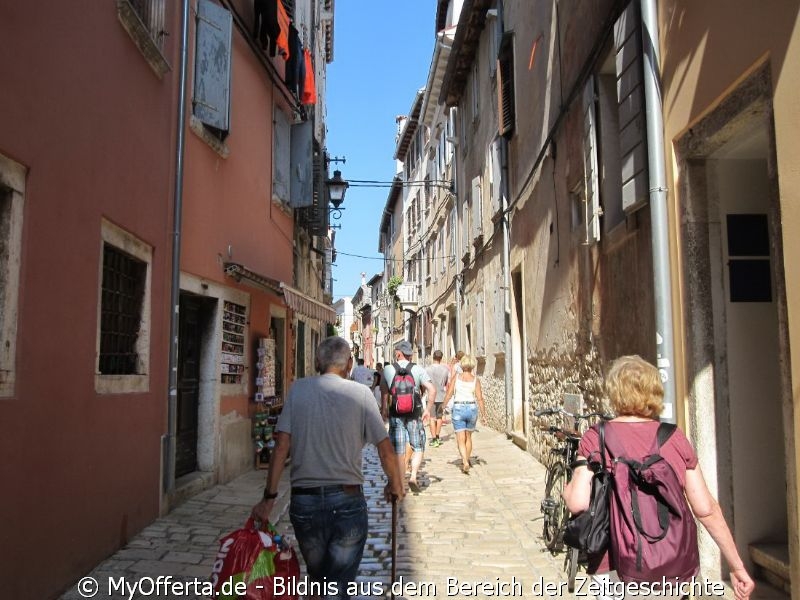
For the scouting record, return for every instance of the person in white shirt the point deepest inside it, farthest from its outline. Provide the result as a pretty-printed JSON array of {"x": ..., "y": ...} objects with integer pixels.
[{"x": 467, "y": 395}]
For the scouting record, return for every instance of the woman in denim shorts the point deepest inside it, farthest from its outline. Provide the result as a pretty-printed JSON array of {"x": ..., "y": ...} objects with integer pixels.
[{"x": 465, "y": 391}]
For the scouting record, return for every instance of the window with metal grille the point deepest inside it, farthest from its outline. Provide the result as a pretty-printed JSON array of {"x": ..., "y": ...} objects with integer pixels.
[
  {"x": 12, "y": 200},
  {"x": 151, "y": 12},
  {"x": 145, "y": 21},
  {"x": 121, "y": 311},
  {"x": 505, "y": 86}
]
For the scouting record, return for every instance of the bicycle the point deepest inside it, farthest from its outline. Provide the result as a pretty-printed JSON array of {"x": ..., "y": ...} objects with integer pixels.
[{"x": 553, "y": 507}]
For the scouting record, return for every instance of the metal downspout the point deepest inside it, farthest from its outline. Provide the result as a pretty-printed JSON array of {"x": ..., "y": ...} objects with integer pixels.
[
  {"x": 422, "y": 334},
  {"x": 459, "y": 250},
  {"x": 506, "y": 262},
  {"x": 665, "y": 350},
  {"x": 506, "y": 266},
  {"x": 172, "y": 402}
]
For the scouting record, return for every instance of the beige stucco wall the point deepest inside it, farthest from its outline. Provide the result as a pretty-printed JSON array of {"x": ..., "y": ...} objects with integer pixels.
[{"x": 705, "y": 55}]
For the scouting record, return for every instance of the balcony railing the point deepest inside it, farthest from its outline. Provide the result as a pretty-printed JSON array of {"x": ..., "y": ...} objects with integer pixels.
[{"x": 408, "y": 293}]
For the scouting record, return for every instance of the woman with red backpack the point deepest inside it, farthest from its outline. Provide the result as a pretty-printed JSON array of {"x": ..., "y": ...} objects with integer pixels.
[{"x": 655, "y": 471}]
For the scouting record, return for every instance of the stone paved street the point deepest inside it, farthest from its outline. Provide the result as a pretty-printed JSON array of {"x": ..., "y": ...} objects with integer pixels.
[{"x": 476, "y": 527}]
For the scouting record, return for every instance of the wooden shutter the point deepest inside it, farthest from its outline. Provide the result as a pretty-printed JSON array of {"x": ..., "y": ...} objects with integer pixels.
[
  {"x": 315, "y": 217},
  {"x": 499, "y": 312},
  {"x": 281, "y": 155},
  {"x": 212, "y": 68},
  {"x": 591, "y": 180},
  {"x": 505, "y": 86},
  {"x": 630, "y": 99},
  {"x": 476, "y": 207},
  {"x": 480, "y": 333},
  {"x": 301, "y": 182},
  {"x": 495, "y": 176}
]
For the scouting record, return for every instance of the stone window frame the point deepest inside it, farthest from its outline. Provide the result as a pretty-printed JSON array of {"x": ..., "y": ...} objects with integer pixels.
[
  {"x": 12, "y": 183},
  {"x": 145, "y": 39},
  {"x": 140, "y": 382}
]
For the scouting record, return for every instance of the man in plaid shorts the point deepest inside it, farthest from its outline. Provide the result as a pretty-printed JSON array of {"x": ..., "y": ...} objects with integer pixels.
[{"x": 408, "y": 429}]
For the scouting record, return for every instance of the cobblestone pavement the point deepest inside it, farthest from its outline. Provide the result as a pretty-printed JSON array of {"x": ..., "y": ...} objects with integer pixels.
[{"x": 481, "y": 528}]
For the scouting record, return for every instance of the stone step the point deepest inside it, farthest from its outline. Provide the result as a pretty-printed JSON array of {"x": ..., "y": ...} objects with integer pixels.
[{"x": 773, "y": 564}]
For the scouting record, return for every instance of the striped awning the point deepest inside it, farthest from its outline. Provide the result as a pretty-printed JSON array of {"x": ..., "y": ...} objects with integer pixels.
[{"x": 308, "y": 306}]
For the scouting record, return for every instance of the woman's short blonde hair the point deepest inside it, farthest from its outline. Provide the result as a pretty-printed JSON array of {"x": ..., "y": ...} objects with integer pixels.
[
  {"x": 634, "y": 387},
  {"x": 467, "y": 362}
]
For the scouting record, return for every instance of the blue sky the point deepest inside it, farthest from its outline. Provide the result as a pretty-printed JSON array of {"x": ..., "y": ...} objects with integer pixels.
[{"x": 382, "y": 52}]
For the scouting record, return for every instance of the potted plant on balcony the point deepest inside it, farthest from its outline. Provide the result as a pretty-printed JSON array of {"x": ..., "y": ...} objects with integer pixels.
[{"x": 394, "y": 283}]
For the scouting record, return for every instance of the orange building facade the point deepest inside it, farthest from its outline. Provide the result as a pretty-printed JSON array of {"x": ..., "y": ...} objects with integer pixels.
[{"x": 103, "y": 440}]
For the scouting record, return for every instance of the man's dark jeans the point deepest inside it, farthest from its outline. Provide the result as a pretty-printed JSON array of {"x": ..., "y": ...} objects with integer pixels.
[{"x": 331, "y": 530}]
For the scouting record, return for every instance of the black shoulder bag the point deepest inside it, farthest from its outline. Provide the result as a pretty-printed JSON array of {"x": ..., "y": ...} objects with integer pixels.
[{"x": 590, "y": 530}]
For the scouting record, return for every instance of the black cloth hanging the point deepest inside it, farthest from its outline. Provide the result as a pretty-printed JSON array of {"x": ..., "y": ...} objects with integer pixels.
[
  {"x": 266, "y": 24},
  {"x": 295, "y": 62}
]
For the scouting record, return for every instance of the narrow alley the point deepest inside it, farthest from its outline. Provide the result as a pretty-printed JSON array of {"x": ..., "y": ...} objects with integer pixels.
[{"x": 482, "y": 527}]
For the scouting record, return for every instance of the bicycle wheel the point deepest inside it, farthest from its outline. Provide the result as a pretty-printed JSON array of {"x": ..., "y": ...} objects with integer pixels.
[
  {"x": 554, "y": 508},
  {"x": 571, "y": 568}
]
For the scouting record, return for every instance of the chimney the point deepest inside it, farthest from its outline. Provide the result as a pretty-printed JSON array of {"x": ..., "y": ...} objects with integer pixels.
[{"x": 363, "y": 278}]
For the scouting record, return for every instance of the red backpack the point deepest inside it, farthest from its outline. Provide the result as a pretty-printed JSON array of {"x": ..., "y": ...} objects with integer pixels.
[
  {"x": 653, "y": 533},
  {"x": 405, "y": 399}
]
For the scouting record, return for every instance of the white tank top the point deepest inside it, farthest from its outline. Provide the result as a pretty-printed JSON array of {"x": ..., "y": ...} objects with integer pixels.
[{"x": 465, "y": 390}]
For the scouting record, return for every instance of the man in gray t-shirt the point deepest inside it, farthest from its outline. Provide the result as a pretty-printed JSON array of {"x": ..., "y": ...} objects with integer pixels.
[
  {"x": 325, "y": 423},
  {"x": 440, "y": 375}
]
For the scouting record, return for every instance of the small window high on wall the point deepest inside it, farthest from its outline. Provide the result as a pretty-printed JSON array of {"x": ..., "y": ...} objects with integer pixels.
[
  {"x": 748, "y": 258},
  {"x": 12, "y": 199}
]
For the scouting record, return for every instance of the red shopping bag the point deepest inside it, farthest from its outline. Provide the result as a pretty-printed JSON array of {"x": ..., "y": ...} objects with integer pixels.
[{"x": 251, "y": 566}]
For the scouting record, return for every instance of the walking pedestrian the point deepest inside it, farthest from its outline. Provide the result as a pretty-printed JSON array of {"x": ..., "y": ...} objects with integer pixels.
[
  {"x": 376, "y": 389},
  {"x": 440, "y": 375},
  {"x": 325, "y": 423},
  {"x": 409, "y": 428},
  {"x": 636, "y": 393},
  {"x": 362, "y": 374},
  {"x": 455, "y": 364},
  {"x": 467, "y": 395}
]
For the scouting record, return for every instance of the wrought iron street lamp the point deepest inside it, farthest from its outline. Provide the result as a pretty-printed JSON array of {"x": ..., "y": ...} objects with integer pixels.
[{"x": 337, "y": 187}]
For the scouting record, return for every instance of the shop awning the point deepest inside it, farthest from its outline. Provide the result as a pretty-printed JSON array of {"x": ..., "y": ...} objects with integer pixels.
[
  {"x": 239, "y": 272},
  {"x": 307, "y": 305},
  {"x": 295, "y": 299}
]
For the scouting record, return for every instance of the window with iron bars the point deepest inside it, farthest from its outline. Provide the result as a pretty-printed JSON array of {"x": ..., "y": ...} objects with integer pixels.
[
  {"x": 151, "y": 12},
  {"x": 121, "y": 311}
]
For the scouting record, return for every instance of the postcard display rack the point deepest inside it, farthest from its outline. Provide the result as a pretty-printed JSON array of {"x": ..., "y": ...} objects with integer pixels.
[
  {"x": 234, "y": 320},
  {"x": 268, "y": 403}
]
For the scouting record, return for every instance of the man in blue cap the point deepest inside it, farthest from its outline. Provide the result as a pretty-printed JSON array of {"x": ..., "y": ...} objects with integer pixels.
[{"x": 409, "y": 428}]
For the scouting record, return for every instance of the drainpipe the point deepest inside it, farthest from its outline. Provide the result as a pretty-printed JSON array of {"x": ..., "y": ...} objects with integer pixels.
[
  {"x": 459, "y": 250},
  {"x": 506, "y": 264},
  {"x": 172, "y": 402},
  {"x": 665, "y": 351},
  {"x": 421, "y": 326}
]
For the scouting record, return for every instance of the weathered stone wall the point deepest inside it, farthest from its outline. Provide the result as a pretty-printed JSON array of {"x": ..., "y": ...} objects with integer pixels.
[
  {"x": 553, "y": 373},
  {"x": 494, "y": 397}
]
